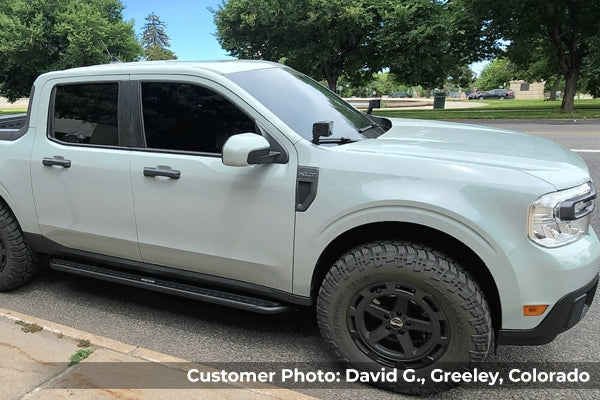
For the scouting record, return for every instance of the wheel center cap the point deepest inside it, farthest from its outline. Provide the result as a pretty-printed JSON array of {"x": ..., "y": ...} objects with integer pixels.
[{"x": 396, "y": 323}]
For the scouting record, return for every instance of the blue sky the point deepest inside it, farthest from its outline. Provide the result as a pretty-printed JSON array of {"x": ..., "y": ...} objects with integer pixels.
[{"x": 189, "y": 24}]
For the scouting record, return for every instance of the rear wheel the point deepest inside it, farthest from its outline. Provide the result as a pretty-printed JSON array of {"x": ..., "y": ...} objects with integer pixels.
[
  {"x": 402, "y": 305},
  {"x": 16, "y": 261}
]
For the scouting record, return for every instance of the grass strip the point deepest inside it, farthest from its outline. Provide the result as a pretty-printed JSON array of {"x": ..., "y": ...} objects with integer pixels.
[{"x": 504, "y": 109}]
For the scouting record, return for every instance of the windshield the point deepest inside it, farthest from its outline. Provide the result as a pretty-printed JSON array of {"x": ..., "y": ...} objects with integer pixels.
[{"x": 299, "y": 101}]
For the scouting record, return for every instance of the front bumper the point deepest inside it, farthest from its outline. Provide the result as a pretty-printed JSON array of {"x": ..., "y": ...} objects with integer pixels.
[{"x": 567, "y": 312}]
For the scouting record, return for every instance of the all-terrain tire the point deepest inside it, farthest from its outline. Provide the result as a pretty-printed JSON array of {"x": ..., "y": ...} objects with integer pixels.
[
  {"x": 401, "y": 305},
  {"x": 16, "y": 260}
]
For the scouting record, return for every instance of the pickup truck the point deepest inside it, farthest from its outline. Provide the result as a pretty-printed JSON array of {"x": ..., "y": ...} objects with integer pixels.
[{"x": 247, "y": 184}]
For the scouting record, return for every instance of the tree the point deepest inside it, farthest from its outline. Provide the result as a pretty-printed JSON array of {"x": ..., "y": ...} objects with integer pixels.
[
  {"x": 424, "y": 42},
  {"x": 535, "y": 60},
  {"x": 322, "y": 38},
  {"x": 41, "y": 35},
  {"x": 386, "y": 84},
  {"x": 155, "y": 40},
  {"x": 495, "y": 75},
  {"x": 463, "y": 78},
  {"x": 568, "y": 28},
  {"x": 591, "y": 68}
]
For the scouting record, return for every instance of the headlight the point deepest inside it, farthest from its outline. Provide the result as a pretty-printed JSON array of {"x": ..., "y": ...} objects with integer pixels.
[{"x": 558, "y": 218}]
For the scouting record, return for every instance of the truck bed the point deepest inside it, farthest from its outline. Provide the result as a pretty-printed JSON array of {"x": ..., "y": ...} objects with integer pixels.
[
  {"x": 13, "y": 121},
  {"x": 10, "y": 125}
]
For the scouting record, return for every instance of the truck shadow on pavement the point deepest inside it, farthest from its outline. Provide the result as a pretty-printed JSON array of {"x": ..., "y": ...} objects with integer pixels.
[{"x": 166, "y": 323}]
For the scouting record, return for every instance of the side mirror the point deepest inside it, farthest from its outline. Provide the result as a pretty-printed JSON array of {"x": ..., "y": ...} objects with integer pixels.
[{"x": 247, "y": 149}]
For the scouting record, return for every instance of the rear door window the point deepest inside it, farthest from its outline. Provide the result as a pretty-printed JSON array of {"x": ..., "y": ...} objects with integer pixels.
[{"x": 86, "y": 114}]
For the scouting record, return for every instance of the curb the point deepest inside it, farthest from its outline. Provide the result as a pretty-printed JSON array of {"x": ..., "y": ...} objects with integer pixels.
[{"x": 143, "y": 354}]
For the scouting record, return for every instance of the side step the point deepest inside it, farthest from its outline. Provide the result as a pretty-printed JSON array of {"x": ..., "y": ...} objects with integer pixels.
[{"x": 179, "y": 289}]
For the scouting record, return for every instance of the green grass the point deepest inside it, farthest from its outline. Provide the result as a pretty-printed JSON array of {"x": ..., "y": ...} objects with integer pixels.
[
  {"x": 505, "y": 109},
  {"x": 80, "y": 355},
  {"x": 13, "y": 111}
]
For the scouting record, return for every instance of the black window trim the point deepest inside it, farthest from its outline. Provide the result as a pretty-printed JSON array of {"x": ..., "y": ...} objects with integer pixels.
[{"x": 124, "y": 133}]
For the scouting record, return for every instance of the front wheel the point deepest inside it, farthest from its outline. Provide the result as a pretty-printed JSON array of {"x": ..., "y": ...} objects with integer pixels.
[{"x": 403, "y": 305}]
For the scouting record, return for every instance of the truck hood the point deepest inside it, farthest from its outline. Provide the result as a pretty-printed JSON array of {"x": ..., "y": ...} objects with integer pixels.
[{"x": 473, "y": 144}]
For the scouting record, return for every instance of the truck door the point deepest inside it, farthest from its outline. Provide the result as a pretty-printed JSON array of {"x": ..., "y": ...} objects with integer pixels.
[
  {"x": 192, "y": 211},
  {"x": 80, "y": 166}
]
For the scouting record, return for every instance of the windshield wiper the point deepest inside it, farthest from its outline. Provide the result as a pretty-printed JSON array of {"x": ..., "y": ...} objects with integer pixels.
[
  {"x": 340, "y": 140},
  {"x": 366, "y": 128}
]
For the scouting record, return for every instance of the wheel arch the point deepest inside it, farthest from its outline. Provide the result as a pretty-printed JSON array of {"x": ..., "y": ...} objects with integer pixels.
[
  {"x": 426, "y": 235},
  {"x": 7, "y": 201},
  {"x": 20, "y": 211}
]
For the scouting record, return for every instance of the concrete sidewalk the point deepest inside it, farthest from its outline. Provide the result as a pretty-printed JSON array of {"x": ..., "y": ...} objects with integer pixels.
[{"x": 35, "y": 365}]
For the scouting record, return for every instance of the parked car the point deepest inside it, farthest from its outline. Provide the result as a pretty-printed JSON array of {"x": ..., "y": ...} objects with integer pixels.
[
  {"x": 497, "y": 94},
  {"x": 473, "y": 96},
  {"x": 248, "y": 184}
]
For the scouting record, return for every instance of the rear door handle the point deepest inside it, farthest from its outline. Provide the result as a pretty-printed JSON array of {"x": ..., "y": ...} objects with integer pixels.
[
  {"x": 169, "y": 173},
  {"x": 61, "y": 162}
]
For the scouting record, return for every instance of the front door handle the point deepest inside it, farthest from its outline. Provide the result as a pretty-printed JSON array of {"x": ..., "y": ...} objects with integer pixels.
[
  {"x": 169, "y": 173},
  {"x": 61, "y": 162}
]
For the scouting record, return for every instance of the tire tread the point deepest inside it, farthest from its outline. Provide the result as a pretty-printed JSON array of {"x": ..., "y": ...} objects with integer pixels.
[
  {"x": 419, "y": 259},
  {"x": 21, "y": 267}
]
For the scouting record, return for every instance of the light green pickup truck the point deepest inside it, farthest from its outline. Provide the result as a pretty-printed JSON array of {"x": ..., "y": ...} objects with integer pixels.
[{"x": 249, "y": 185}]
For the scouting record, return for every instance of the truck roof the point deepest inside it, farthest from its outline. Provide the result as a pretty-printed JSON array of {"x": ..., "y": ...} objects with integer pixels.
[{"x": 168, "y": 66}]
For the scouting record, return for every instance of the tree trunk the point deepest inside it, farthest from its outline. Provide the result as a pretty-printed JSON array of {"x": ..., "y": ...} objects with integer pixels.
[
  {"x": 568, "y": 105},
  {"x": 554, "y": 88},
  {"x": 332, "y": 82}
]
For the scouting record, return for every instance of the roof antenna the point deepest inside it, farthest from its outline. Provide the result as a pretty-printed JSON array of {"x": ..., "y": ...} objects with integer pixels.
[{"x": 113, "y": 59}]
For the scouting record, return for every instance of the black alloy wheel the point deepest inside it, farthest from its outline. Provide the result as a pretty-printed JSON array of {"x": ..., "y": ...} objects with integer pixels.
[{"x": 397, "y": 324}]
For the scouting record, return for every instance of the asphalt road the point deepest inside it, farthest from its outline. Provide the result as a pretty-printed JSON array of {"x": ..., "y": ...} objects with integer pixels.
[
  {"x": 573, "y": 134},
  {"x": 204, "y": 332}
]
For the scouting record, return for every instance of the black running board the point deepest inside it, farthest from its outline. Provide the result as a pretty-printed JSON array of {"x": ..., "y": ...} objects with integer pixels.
[{"x": 224, "y": 298}]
